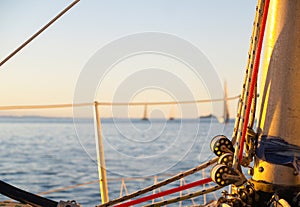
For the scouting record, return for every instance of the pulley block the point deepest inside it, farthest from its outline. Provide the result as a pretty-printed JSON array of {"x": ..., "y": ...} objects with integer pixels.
[
  {"x": 226, "y": 159},
  {"x": 223, "y": 175},
  {"x": 220, "y": 145}
]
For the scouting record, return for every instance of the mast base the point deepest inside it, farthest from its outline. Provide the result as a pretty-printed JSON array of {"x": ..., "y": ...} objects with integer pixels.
[{"x": 286, "y": 175}]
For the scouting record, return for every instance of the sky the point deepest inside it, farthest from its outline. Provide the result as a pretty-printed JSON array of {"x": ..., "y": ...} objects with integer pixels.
[{"x": 48, "y": 69}]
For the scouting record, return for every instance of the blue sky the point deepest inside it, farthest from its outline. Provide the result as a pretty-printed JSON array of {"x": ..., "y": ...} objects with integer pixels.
[{"x": 46, "y": 71}]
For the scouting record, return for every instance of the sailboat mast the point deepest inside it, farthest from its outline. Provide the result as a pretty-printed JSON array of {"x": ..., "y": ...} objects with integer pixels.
[{"x": 276, "y": 168}]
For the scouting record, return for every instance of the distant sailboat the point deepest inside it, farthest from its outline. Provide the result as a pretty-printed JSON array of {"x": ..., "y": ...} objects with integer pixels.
[
  {"x": 225, "y": 118},
  {"x": 226, "y": 110},
  {"x": 172, "y": 113},
  {"x": 145, "y": 117}
]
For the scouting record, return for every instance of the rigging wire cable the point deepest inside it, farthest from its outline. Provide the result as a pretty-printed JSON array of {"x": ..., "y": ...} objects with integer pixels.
[{"x": 38, "y": 32}]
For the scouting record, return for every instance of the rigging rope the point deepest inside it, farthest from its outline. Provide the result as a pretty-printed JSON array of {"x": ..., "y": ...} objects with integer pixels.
[
  {"x": 38, "y": 32},
  {"x": 164, "y": 193},
  {"x": 253, "y": 81},
  {"x": 248, "y": 86},
  {"x": 253, "y": 108},
  {"x": 160, "y": 184},
  {"x": 185, "y": 197},
  {"x": 249, "y": 67}
]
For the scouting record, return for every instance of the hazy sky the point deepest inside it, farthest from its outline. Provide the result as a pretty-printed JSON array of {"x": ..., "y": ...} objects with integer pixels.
[{"x": 46, "y": 71}]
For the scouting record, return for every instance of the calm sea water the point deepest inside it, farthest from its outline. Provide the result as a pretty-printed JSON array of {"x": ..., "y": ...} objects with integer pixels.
[{"x": 41, "y": 154}]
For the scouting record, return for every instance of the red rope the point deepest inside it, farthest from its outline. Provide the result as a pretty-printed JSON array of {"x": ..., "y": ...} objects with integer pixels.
[
  {"x": 164, "y": 193},
  {"x": 254, "y": 75}
]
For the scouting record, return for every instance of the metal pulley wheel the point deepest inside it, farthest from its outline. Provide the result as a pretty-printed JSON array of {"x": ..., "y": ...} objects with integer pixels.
[
  {"x": 226, "y": 159},
  {"x": 220, "y": 145},
  {"x": 223, "y": 175}
]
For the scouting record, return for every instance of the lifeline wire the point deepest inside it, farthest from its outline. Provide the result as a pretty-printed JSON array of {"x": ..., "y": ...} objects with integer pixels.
[{"x": 2, "y": 108}]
